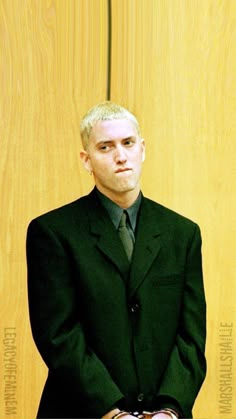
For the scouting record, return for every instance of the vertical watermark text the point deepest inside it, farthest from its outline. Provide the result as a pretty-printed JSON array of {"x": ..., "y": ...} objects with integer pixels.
[
  {"x": 10, "y": 370},
  {"x": 226, "y": 368}
]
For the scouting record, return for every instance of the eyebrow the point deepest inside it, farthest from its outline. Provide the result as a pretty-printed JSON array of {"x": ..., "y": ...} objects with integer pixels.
[
  {"x": 103, "y": 142},
  {"x": 131, "y": 137}
]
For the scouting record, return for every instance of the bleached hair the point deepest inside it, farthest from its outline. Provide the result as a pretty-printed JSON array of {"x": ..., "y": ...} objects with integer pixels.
[{"x": 103, "y": 112}]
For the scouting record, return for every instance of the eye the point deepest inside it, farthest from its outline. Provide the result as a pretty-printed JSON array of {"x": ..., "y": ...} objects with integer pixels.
[
  {"x": 129, "y": 142},
  {"x": 104, "y": 147}
]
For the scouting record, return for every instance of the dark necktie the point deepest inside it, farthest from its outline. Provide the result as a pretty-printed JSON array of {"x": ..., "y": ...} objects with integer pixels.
[{"x": 125, "y": 236}]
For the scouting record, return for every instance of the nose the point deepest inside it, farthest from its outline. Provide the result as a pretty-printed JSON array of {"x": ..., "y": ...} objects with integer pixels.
[{"x": 120, "y": 154}]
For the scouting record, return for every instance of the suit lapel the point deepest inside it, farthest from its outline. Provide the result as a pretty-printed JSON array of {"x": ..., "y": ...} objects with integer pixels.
[
  {"x": 147, "y": 246},
  {"x": 107, "y": 240},
  {"x": 147, "y": 243}
]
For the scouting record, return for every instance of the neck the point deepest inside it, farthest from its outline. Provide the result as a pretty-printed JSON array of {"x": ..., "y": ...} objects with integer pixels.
[{"x": 122, "y": 199}]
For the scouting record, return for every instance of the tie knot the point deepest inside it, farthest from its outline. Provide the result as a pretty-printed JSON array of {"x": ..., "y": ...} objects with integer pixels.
[{"x": 123, "y": 219}]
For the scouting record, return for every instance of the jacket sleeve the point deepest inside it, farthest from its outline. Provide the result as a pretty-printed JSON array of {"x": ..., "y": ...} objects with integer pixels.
[
  {"x": 56, "y": 327},
  {"x": 186, "y": 369}
]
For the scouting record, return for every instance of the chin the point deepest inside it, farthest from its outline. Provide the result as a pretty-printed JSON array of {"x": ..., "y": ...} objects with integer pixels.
[
  {"x": 118, "y": 188},
  {"x": 125, "y": 189}
]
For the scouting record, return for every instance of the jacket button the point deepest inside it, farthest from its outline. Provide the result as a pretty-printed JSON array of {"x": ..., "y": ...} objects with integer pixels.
[
  {"x": 134, "y": 308},
  {"x": 140, "y": 397}
]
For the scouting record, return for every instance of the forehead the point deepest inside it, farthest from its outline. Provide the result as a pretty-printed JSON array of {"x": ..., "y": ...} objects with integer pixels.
[{"x": 113, "y": 129}]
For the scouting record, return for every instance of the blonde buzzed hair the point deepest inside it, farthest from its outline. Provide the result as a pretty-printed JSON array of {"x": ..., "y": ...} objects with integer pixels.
[{"x": 103, "y": 112}]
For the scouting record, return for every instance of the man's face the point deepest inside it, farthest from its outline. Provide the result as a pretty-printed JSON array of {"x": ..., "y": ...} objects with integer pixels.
[{"x": 115, "y": 155}]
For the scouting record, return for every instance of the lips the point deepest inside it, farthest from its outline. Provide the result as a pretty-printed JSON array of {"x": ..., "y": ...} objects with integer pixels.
[{"x": 122, "y": 170}]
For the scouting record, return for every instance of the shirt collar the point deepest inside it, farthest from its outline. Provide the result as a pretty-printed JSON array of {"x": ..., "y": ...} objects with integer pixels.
[{"x": 115, "y": 211}]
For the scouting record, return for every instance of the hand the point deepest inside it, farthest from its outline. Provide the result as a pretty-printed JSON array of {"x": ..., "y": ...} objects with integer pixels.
[
  {"x": 160, "y": 415},
  {"x": 113, "y": 412},
  {"x": 128, "y": 416}
]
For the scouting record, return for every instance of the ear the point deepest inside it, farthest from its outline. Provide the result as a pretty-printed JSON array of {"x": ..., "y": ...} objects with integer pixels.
[
  {"x": 86, "y": 161},
  {"x": 143, "y": 148}
]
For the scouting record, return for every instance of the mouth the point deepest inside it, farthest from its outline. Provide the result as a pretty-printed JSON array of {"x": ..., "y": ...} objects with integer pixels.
[{"x": 122, "y": 170}]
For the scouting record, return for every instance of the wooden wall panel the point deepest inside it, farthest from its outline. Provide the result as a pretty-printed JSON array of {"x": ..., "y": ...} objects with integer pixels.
[
  {"x": 174, "y": 65},
  {"x": 53, "y": 59}
]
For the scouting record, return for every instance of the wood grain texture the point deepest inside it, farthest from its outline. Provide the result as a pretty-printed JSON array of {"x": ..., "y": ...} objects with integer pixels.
[
  {"x": 174, "y": 65},
  {"x": 53, "y": 60}
]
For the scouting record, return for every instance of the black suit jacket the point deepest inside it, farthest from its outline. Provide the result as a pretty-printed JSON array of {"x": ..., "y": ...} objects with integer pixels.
[{"x": 111, "y": 332}]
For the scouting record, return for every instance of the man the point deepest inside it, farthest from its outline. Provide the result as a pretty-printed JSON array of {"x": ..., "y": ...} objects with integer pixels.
[{"x": 116, "y": 294}]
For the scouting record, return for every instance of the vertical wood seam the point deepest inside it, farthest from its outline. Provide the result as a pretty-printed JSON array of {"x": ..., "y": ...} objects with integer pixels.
[{"x": 109, "y": 48}]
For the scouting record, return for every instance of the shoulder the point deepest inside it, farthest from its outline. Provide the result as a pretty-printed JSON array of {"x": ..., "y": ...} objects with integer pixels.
[
  {"x": 68, "y": 215},
  {"x": 168, "y": 218}
]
